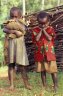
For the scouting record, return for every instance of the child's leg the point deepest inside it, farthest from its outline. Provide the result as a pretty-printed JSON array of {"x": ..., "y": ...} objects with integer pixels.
[
  {"x": 41, "y": 68},
  {"x": 43, "y": 77},
  {"x": 53, "y": 70},
  {"x": 25, "y": 77},
  {"x": 55, "y": 82},
  {"x": 10, "y": 74}
]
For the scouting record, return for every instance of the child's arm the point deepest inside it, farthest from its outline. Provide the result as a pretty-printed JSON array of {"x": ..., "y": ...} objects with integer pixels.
[
  {"x": 47, "y": 35},
  {"x": 18, "y": 33},
  {"x": 8, "y": 31}
]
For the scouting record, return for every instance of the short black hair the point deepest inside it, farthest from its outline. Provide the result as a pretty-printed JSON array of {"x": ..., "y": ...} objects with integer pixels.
[
  {"x": 15, "y": 9},
  {"x": 42, "y": 15}
]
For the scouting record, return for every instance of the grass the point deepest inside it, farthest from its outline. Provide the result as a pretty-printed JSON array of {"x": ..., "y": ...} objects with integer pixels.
[{"x": 35, "y": 81}]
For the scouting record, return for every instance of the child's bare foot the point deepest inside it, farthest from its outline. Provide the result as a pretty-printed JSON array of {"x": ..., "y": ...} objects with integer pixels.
[
  {"x": 1, "y": 89},
  {"x": 55, "y": 88},
  {"x": 11, "y": 87}
]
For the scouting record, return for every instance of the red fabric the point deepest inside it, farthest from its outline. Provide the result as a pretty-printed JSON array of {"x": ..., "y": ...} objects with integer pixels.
[{"x": 43, "y": 47}]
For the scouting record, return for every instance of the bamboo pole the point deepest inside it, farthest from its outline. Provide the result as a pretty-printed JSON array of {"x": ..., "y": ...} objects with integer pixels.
[
  {"x": 42, "y": 7},
  {"x": 58, "y": 3},
  {"x": 24, "y": 8}
]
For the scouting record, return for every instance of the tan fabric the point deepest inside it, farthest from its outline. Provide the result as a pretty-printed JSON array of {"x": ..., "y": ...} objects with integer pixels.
[
  {"x": 17, "y": 51},
  {"x": 6, "y": 61},
  {"x": 13, "y": 24},
  {"x": 17, "y": 25},
  {"x": 49, "y": 67}
]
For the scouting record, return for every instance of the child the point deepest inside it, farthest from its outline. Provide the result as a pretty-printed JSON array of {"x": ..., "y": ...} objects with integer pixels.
[
  {"x": 15, "y": 30},
  {"x": 43, "y": 39}
]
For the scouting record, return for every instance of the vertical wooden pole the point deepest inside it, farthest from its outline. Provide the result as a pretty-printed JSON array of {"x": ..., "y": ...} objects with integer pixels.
[
  {"x": 42, "y": 7},
  {"x": 24, "y": 9},
  {"x": 58, "y": 4}
]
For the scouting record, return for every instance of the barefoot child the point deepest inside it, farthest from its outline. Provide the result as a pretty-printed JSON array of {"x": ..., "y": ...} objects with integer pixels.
[
  {"x": 43, "y": 38},
  {"x": 15, "y": 31}
]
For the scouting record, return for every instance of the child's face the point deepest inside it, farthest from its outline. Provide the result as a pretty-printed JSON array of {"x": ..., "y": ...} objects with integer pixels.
[
  {"x": 43, "y": 21},
  {"x": 16, "y": 15}
]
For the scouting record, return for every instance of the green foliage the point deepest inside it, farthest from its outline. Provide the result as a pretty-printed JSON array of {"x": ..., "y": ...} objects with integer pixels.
[{"x": 31, "y": 5}]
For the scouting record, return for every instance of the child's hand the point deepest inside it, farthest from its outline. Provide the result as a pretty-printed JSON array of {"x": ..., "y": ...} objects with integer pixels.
[
  {"x": 43, "y": 30},
  {"x": 18, "y": 33},
  {"x": 47, "y": 35}
]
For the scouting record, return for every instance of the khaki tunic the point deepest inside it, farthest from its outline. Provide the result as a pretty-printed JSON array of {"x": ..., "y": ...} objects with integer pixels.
[
  {"x": 50, "y": 67},
  {"x": 17, "y": 51}
]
